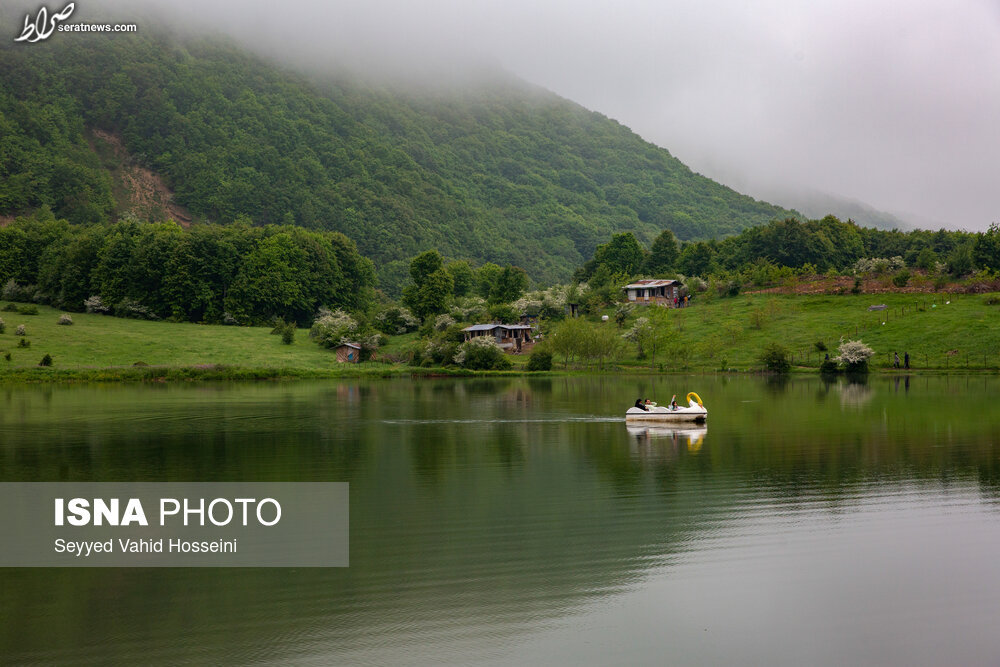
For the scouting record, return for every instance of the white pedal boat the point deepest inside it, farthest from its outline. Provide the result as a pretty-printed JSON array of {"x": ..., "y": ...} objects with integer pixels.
[{"x": 694, "y": 412}]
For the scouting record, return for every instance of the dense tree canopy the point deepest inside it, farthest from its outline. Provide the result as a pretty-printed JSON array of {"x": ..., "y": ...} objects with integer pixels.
[
  {"x": 207, "y": 273},
  {"x": 820, "y": 244}
]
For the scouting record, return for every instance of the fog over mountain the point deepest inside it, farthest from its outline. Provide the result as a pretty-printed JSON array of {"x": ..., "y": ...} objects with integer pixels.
[{"x": 892, "y": 103}]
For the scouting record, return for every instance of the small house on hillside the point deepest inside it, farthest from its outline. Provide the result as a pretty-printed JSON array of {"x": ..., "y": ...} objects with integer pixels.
[
  {"x": 348, "y": 353},
  {"x": 662, "y": 292},
  {"x": 510, "y": 337}
]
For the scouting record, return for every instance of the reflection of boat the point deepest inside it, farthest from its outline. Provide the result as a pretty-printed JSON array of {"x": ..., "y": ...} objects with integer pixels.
[
  {"x": 648, "y": 434},
  {"x": 694, "y": 412},
  {"x": 657, "y": 431}
]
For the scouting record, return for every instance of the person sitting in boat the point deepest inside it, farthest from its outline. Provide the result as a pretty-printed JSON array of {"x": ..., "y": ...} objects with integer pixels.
[
  {"x": 639, "y": 404},
  {"x": 673, "y": 402},
  {"x": 650, "y": 404}
]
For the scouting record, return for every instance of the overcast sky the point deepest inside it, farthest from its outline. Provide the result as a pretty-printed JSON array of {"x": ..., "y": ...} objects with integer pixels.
[{"x": 895, "y": 103}]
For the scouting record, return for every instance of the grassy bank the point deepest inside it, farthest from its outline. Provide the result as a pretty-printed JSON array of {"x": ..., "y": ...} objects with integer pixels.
[
  {"x": 940, "y": 331},
  {"x": 945, "y": 332}
]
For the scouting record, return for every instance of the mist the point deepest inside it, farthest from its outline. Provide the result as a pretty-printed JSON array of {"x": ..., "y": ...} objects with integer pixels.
[{"x": 889, "y": 103}]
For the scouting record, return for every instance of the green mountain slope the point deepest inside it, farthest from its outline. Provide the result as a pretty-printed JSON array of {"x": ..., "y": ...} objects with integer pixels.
[{"x": 499, "y": 172}]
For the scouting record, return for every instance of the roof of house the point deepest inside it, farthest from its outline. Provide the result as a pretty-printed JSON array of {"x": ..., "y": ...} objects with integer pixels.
[
  {"x": 640, "y": 284},
  {"x": 491, "y": 327},
  {"x": 354, "y": 345}
]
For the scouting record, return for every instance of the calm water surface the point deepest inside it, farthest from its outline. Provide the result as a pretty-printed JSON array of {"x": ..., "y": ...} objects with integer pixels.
[{"x": 518, "y": 521}]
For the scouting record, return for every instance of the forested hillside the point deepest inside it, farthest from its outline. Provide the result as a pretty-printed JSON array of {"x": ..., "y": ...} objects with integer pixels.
[{"x": 500, "y": 172}]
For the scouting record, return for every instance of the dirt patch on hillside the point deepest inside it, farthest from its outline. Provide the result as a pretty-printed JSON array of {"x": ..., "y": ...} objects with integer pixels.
[
  {"x": 138, "y": 190},
  {"x": 6, "y": 220}
]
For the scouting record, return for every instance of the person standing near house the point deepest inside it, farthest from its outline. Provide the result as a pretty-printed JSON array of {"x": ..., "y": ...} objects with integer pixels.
[{"x": 895, "y": 362}]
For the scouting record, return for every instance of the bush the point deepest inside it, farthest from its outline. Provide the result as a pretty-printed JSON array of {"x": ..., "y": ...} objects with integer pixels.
[
  {"x": 46, "y": 360},
  {"x": 20, "y": 330},
  {"x": 991, "y": 300},
  {"x": 331, "y": 329},
  {"x": 28, "y": 310},
  {"x": 65, "y": 320},
  {"x": 453, "y": 334},
  {"x": 6, "y": 356},
  {"x": 828, "y": 367},
  {"x": 540, "y": 361},
  {"x": 775, "y": 358},
  {"x": 396, "y": 320},
  {"x": 132, "y": 309},
  {"x": 15, "y": 292},
  {"x": 820, "y": 346},
  {"x": 901, "y": 278},
  {"x": 24, "y": 342},
  {"x": 482, "y": 354},
  {"x": 288, "y": 333},
  {"x": 441, "y": 352},
  {"x": 94, "y": 304},
  {"x": 3, "y": 325},
  {"x": 10, "y": 308}
]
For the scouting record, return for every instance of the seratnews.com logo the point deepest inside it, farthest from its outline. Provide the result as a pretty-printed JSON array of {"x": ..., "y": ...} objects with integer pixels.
[{"x": 45, "y": 23}]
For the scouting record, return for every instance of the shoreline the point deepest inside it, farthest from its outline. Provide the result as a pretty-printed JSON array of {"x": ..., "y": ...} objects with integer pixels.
[{"x": 223, "y": 373}]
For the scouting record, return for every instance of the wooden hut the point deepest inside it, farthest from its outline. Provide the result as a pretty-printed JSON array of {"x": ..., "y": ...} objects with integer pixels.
[{"x": 348, "y": 353}]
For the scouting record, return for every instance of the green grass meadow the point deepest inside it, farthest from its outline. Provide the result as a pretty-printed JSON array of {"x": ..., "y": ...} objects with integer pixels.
[
  {"x": 940, "y": 331},
  {"x": 945, "y": 332},
  {"x": 98, "y": 341}
]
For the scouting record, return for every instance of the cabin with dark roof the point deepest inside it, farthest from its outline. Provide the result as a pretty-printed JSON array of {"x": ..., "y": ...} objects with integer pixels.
[
  {"x": 661, "y": 292},
  {"x": 510, "y": 337}
]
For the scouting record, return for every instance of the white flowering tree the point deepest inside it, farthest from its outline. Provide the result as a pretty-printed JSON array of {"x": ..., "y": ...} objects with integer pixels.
[
  {"x": 854, "y": 355},
  {"x": 443, "y": 321},
  {"x": 878, "y": 265},
  {"x": 650, "y": 333},
  {"x": 331, "y": 329},
  {"x": 396, "y": 320}
]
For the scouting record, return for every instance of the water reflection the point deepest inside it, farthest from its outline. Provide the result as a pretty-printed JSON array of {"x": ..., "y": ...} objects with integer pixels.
[
  {"x": 665, "y": 442},
  {"x": 484, "y": 512}
]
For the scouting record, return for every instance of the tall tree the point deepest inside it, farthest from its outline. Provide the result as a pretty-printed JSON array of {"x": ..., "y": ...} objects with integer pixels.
[
  {"x": 663, "y": 255},
  {"x": 621, "y": 255},
  {"x": 463, "y": 277},
  {"x": 511, "y": 284}
]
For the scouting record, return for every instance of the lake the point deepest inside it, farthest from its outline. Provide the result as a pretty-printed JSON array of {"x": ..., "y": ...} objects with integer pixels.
[{"x": 519, "y": 521}]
